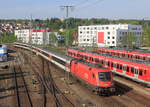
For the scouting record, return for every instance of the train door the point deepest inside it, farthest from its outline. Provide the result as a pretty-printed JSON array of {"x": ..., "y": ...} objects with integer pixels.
[
  {"x": 124, "y": 69},
  {"x": 136, "y": 73},
  {"x": 74, "y": 66}
]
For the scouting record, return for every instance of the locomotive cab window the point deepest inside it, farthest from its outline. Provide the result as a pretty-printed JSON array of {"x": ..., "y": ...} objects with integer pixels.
[{"x": 104, "y": 76}]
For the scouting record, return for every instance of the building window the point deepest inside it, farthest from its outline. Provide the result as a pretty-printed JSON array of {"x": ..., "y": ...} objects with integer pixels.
[
  {"x": 87, "y": 39},
  {"x": 80, "y": 32},
  {"x": 113, "y": 37},
  {"x": 120, "y": 38},
  {"x": 108, "y": 33},
  {"x": 107, "y": 27},
  {"x": 108, "y": 42},
  {"x": 113, "y": 42},
  {"x": 102, "y": 28},
  {"x": 95, "y": 28},
  {"x": 87, "y": 31},
  {"x": 88, "y": 28},
  {"x": 108, "y": 37}
]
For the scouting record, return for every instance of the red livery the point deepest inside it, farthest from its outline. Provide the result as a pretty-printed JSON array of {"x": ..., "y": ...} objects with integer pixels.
[
  {"x": 125, "y": 54},
  {"x": 95, "y": 77},
  {"x": 137, "y": 72}
]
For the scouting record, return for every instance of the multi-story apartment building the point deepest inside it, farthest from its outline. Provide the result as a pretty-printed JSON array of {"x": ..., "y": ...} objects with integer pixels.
[
  {"x": 107, "y": 35},
  {"x": 23, "y": 35},
  {"x": 33, "y": 36}
]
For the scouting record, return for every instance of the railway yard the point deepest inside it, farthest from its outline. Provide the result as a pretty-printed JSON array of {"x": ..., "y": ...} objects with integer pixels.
[{"x": 33, "y": 81}]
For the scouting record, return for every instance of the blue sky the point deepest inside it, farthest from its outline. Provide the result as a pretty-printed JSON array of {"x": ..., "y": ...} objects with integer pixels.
[{"x": 112, "y": 9}]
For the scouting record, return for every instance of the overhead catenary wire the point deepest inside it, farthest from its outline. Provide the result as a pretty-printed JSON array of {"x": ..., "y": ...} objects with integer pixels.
[{"x": 89, "y": 4}]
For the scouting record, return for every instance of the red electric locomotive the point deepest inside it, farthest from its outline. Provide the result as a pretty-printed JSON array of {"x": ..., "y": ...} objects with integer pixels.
[
  {"x": 135, "y": 71},
  {"x": 97, "y": 78},
  {"x": 125, "y": 54}
]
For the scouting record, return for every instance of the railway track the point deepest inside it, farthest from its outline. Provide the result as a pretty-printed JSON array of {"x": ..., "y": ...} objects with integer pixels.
[
  {"x": 49, "y": 85},
  {"x": 22, "y": 93}
]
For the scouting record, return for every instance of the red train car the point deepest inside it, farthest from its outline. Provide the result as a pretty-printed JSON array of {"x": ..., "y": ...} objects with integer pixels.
[
  {"x": 125, "y": 54},
  {"x": 96, "y": 77},
  {"x": 135, "y": 71}
]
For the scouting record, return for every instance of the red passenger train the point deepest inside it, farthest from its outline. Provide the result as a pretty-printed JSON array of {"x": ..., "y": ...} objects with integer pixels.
[
  {"x": 96, "y": 77},
  {"x": 125, "y": 54},
  {"x": 135, "y": 71}
]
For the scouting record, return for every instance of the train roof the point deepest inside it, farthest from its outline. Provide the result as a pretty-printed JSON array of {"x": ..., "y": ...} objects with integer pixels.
[
  {"x": 126, "y": 61},
  {"x": 91, "y": 64},
  {"x": 3, "y": 46},
  {"x": 65, "y": 58},
  {"x": 129, "y": 60},
  {"x": 134, "y": 51},
  {"x": 69, "y": 59},
  {"x": 134, "y": 61}
]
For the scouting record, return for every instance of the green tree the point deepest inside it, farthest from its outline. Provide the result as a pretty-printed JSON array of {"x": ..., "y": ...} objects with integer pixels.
[
  {"x": 8, "y": 38},
  {"x": 69, "y": 33},
  {"x": 53, "y": 39},
  {"x": 146, "y": 37},
  {"x": 129, "y": 40}
]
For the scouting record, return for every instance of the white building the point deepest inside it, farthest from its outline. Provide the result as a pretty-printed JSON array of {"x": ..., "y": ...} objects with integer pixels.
[
  {"x": 34, "y": 36},
  {"x": 23, "y": 35},
  {"x": 107, "y": 35}
]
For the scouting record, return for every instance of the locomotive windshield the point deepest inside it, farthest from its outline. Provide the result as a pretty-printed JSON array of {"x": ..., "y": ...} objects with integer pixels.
[{"x": 104, "y": 76}]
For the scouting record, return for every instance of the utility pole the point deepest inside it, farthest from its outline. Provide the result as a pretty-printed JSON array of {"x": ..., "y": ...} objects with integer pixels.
[
  {"x": 30, "y": 30},
  {"x": 67, "y": 7}
]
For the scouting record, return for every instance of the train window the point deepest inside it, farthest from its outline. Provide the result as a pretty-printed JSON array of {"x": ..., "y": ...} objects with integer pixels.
[
  {"x": 78, "y": 55},
  {"x": 117, "y": 66},
  {"x": 112, "y": 64},
  {"x": 108, "y": 63},
  {"x": 86, "y": 57},
  {"x": 104, "y": 76},
  {"x": 144, "y": 58},
  {"x": 102, "y": 61},
  {"x": 140, "y": 72},
  {"x": 128, "y": 56},
  {"x": 96, "y": 60},
  {"x": 92, "y": 59},
  {"x": 120, "y": 67},
  {"x": 132, "y": 70},
  {"x": 93, "y": 75},
  {"x": 127, "y": 69}
]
